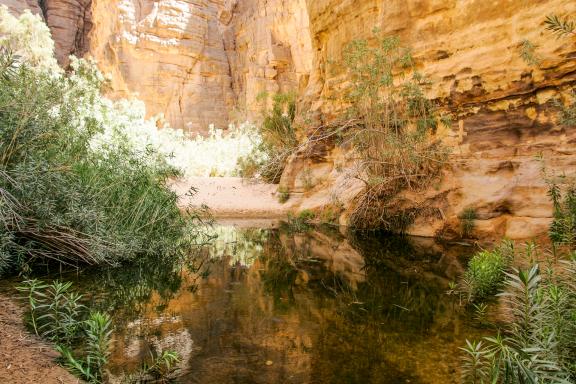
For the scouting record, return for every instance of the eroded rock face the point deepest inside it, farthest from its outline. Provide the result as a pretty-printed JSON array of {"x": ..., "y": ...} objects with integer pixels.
[
  {"x": 503, "y": 107},
  {"x": 202, "y": 62},
  {"x": 70, "y": 22},
  {"x": 269, "y": 47},
  {"x": 170, "y": 53}
]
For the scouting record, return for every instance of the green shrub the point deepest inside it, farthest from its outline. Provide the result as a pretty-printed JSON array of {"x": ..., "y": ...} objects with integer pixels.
[
  {"x": 306, "y": 215},
  {"x": 392, "y": 130},
  {"x": 538, "y": 344},
  {"x": 487, "y": 270},
  {"x": 74, "y": 187},
  {"x": 96, "y": 340},
  {"x": 279, "y": 141}
]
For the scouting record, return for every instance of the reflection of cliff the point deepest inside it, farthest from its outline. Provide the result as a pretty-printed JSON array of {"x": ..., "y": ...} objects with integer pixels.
[
  {"x": 332, "y": 251},
  {"x": 306, "y": 310}
]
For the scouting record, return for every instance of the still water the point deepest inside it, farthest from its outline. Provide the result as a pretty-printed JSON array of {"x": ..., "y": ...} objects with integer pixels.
[{"x": 272, "y": 306}]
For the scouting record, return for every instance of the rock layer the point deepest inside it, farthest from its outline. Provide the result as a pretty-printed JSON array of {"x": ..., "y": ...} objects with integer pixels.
[{"x": 70, "y": 22}]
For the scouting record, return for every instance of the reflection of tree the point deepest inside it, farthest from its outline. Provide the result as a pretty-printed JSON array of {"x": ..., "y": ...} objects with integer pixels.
[
  {"x": 242, "y": 245},
  {"x": 378, "y": 246},
  {"x": 405, "y": 284},
  {"x": 126, "y": 291},
  {"x": 400, "y": 285},
  {"x": 292, "y": 266},
  {"x": 280, "y": 270}
]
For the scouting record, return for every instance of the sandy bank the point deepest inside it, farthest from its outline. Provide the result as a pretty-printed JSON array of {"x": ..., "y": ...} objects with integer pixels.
[
  {"x": 24, "y": 357},
  {"x": 234, "y": 198}
]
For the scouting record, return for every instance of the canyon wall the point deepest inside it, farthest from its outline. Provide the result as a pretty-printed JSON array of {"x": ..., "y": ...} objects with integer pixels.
[
  {"x": 206, "y": 61},
  {"x": 202, "y": 62},
  {"x": 503, "y": 109},
  {"x": 70, "y": 22},
  {"x": 170, "y": 54},
  {"x": 269, "y": 46}
]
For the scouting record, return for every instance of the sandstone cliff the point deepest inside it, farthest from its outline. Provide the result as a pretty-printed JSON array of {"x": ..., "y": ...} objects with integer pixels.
[
  {"x": 170, "y": 53},
  {"x": 269, "y": 46},
  {"x": 503, "y": 109},
  {"x": 70, "y": 22},
  {"x": 202, "y": 62}
]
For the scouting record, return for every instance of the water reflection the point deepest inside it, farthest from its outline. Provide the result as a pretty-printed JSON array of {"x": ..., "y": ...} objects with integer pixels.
[{"x": 269, "y": 306}]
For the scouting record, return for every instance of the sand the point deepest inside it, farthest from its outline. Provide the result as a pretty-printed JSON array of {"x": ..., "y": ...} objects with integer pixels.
[
  {"x": 235, "y": 198},
  {"x": 24, "y": 357}
]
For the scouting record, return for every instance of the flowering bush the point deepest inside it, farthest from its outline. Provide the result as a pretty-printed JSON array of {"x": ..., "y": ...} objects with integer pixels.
[
  {"x": 29, "y": 38},
  {"x": 215, "y": 155}
]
